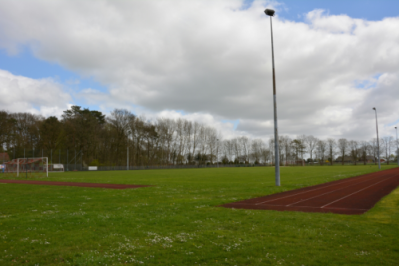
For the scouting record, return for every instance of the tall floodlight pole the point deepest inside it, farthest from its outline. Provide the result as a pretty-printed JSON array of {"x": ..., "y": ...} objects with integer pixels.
[
  {"x": 397, "y": 145},
  {"x": 378, "y": 140},
  {"x": 270, "y": 12}
]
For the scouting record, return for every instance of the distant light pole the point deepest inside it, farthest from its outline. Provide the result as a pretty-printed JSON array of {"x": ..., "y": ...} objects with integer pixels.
[
  {"x": 378, "y": 141},
  {"x": 397, "y": 145},
  {"x": 270, "y": 12}
]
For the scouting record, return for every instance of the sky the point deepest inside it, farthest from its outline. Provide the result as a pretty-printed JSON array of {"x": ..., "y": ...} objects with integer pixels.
[{"x": 208, "y": 61}]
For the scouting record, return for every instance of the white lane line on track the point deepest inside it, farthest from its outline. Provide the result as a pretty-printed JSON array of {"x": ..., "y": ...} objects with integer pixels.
[
  {"x": 356, "y": 192},
  {"x": 346, "y": 209},
  {"x": 316, "y": 207},
  {"x": 331, "y": 191},
  {"x": 305, "y": 191}
]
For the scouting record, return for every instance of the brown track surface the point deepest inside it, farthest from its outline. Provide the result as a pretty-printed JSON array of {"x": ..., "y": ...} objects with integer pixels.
[
  {"x": 73, "y": 184},
  {"x": 354, "y": 195}
]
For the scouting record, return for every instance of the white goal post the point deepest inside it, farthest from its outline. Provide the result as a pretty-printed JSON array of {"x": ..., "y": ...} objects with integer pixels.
[{"x": 34, "y": 166}]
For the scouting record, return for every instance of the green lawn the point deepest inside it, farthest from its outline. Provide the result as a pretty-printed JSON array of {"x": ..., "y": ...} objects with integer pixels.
[{"x": 176, "y": 222}]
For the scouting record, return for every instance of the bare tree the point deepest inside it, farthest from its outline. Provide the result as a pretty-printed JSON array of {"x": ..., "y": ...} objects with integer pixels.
[
  {"x": 180, "y": 139},
  {"x": 244, "y": 142},
  {"x": 224, "y": 150},
  {"x": 354, "y": 150},
  {"x": 212, "y": 143},
  {"x": 229, "y": 149},
  {"x": 311, "y": 143},
  {"x": 256, "y": 150},
  {"x": 370, "y": 150},
  {"x": 387, "y": 143},
  {"x": 302, "y": 139},
  {"x": 298, "y": 147},
  {"x": 236, "y": 149},
  {"x": 271, "y": 148},
  {"x": 364, "y": 147},
  {"x": 373, "y": 144},
  {"x": 195, "y": 138},
  {"x": 265, "y": 153},
  {"x": 321, "y": 149},
  {"x": 331, "y": 144},
  {"x": 285, "y": 142},
  {"x": 202, "y": 141},
  {"x": 343, "y": 146},
  {"x": 169, "y": 131},
  {"x": 188, "y": 133}
]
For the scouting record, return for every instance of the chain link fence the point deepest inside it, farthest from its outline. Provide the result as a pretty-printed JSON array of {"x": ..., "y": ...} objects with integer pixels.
[{"x": 73, "y": 160}]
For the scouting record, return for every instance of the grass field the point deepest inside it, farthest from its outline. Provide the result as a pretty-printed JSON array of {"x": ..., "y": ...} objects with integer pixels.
[{"x": 176, "y": 222}]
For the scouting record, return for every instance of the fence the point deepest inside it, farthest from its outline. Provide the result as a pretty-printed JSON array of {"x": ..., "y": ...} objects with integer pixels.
[
  {"x": 73, "y": 161},
  {"x": 190, "y": 166},
  {"x": 153, "y": 167}
]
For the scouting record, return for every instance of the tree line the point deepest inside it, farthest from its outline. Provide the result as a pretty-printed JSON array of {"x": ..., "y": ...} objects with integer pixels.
[{"x": 110, "y": 140}]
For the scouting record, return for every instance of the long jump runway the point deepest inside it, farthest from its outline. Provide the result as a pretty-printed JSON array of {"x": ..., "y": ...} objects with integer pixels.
[
  {"x": 354, "y": 195},
  {"x": 72, "y": 184}
]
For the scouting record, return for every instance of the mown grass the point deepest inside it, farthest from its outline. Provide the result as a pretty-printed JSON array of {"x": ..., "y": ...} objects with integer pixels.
[{"x": 176, "y": 222}]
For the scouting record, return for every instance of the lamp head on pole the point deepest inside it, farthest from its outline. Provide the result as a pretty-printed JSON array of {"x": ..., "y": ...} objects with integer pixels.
[
  {"x": 373, "y": 108},
  {"x": 269, "y": 12}
]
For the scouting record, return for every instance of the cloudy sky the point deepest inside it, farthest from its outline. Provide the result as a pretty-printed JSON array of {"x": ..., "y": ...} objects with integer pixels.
[{"x": 208, "y": 61}]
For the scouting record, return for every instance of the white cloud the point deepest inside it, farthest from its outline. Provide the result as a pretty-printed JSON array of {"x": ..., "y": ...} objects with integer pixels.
[
  {"x": 226, "y": 129},
  {"x": 212, "y": 58},
  {"x": 333, "y": 24},
  {"x": 22, "y": 94}
]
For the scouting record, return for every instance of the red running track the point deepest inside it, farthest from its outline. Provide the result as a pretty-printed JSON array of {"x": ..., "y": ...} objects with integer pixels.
[
  {"x": 354, "y": 195},
  {"x": 73, "y": 184}
]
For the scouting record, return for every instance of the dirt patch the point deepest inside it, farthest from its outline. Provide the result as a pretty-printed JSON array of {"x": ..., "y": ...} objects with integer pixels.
[{"x": 73, "y": 184}]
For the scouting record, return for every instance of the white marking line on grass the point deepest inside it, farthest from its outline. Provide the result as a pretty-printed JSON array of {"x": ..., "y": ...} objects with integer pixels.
[
  {"x": 355, "y": 192},
  {"x": 306, "y": 191},
  {"x": 331, "y": 191}
]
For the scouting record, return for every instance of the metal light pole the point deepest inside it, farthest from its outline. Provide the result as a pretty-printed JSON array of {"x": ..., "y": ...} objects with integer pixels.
[
  {"x": 270, "y": 12},
  {"x": 397, "y": 145},
  {"x": 378, "y": 141}
]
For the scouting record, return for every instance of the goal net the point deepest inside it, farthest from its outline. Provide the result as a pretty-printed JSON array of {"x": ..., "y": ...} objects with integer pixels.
[{"x": 29, "y": 167}]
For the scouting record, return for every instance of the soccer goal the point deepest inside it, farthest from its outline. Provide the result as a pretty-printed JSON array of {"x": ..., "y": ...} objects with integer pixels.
[{"x": 29, "y": 167}]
